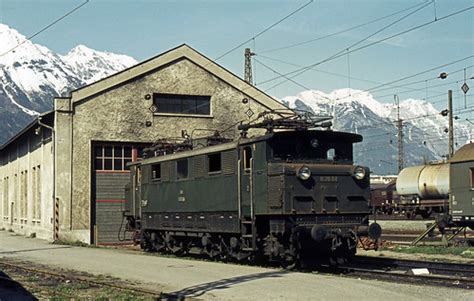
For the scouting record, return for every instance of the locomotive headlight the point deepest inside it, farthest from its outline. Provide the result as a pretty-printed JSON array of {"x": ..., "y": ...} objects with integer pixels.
[
  {"x": 314, "y": 143},
  {"x": 359, "y": 173},
  {"x": 304, "y": 173}
]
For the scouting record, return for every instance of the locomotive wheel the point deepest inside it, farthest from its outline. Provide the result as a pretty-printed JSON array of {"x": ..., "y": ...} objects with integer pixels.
[
  {"x": 289, "y": 262},
  {"x": 145, "y": 242}
]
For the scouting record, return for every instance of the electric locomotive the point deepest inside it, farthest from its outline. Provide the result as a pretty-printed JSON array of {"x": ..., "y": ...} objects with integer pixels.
[{"x": 290, "y": 193}]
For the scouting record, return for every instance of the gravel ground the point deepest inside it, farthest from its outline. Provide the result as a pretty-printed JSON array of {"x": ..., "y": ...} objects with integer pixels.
[
  {"x": 428, "y": 257},
  {"x": 408, "y": 226},
  {"x": 215, "y": 281},
  {"x": 44, "y": 283}
]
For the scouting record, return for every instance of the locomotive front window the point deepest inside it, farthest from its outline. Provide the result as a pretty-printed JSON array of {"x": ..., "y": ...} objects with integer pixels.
[
  {"x": 331, "y": 154},
  {"x": 294, "y": 148},
  {"x": 182, "y": 169}
]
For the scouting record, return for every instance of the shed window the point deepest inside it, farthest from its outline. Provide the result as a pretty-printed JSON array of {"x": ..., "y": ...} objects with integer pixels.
[
  {"x": 156, "y": 172},
  {"x": 182, "y": 169},
  {"x": 112, "y": 157},
  {"x": 214, "y": 161},
  {"x": 182, "y": 104}
]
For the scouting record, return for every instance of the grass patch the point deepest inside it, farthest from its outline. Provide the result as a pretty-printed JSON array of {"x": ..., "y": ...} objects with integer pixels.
[
  {"x": 466, "y": 252},
  {"x": 76, "y": 243}
]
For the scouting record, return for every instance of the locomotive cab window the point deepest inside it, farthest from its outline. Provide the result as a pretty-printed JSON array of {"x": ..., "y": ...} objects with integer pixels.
[
  {"x": 331, "y": 154},
  {"x": 156, "y": 172},
  {"x": 182, "y": 169},
  {"x": 214, "y": 163},
  {"x": 472, "y": 177},
  {"x": 138, "y": 177},
  {"x": 303, "y": 147},
  {"x": 247, "y": 157}
]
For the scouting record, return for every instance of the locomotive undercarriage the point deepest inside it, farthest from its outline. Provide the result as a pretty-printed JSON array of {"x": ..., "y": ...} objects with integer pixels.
[{"x": 280, "y": 239}]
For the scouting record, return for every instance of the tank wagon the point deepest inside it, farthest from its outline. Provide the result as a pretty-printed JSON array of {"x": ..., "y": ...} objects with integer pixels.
[
  {"x": 290, "y": 193},
  {"x": 447, "y": 188},
  {"x": 423, "y": 189}
]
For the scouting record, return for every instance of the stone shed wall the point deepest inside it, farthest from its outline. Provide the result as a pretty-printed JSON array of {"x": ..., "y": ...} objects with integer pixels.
[{"x": 120, "y": 114}]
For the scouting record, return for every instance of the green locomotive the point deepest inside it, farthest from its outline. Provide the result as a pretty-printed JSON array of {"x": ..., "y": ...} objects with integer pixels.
[{"x": 289, "y": 193}]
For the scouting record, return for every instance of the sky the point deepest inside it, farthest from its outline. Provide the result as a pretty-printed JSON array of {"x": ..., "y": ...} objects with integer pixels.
[{"x": 145, "y": 28}]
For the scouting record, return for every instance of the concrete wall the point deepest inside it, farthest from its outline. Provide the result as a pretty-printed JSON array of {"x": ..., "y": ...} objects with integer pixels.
[
  {"x": 29, "y": 181},
  {"x": 120, "y": 114}
]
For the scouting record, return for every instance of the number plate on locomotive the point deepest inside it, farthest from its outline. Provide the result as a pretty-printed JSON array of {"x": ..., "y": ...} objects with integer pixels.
[{"x": 328, "y": 178}]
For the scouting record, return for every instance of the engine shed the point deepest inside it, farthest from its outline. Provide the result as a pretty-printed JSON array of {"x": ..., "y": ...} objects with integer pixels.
[{"x": 63, "y": 176}]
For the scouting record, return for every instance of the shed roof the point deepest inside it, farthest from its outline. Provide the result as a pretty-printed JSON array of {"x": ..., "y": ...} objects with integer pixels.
[
  {"x": 465, "y": 153},
  {"x": 168, "y": 57},
  {"x": 26, "y": 128}
]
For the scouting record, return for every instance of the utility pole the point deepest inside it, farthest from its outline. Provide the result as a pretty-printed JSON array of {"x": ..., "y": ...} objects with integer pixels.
[
  {"x": 248, "y": 66},
  {"x": 450, "y": 125},
  {"x": 401, "y": 162}
]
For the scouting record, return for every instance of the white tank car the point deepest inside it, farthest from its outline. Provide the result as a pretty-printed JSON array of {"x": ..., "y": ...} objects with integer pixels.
[{"x": 426, "y": 181}]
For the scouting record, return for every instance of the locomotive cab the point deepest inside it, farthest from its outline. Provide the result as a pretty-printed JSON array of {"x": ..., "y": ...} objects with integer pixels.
[{"x": 307, "y": 187}]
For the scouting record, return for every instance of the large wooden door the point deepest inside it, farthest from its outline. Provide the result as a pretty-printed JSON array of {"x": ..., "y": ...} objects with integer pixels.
[{"x": 110, "y": 174}]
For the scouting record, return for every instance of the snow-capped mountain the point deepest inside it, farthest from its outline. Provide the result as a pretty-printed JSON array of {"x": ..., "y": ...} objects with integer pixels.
[
  {"x": 357, "y": 111},
  {"x": 31, "y": 75}
]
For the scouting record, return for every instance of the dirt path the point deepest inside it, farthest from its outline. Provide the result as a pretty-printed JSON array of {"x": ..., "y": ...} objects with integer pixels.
[{"x": 213, "y": 281}]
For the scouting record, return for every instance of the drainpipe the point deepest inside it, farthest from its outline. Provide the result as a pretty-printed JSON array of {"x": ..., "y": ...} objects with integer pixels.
[{"x": 54, "y": 173}]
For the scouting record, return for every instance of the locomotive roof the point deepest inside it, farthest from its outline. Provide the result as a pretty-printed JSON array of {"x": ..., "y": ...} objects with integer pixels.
[
  {"x": 325, "y": 135},
  {"x": 465, "y": 153}
]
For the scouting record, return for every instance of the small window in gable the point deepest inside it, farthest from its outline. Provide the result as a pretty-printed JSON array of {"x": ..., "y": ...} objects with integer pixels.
[
  {"x": 214, "y": 161},
  {"x": 182, "y": 104}
]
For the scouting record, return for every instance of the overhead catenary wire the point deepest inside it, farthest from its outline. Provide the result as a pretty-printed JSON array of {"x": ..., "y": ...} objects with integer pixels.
[
  {"x": 301, "y": 85},
  {"x": 347, "y": 50},
  {"x": 264, "y": 30},
  {"x": 391, "y": 86},
  {"x": 342, "y": 31},
  {"x": 46, "y": 27},
  {"x": 300, "y": 71},
  {"x": 418, "y": 89},
  {"x": 253, "y": 38},
  {"x": 304, "y": 87}
]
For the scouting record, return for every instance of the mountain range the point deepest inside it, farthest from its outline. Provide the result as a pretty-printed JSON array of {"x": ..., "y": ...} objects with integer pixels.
[
  {"x": 31, "y": 75},
  {"x": 424, "y": 128}
]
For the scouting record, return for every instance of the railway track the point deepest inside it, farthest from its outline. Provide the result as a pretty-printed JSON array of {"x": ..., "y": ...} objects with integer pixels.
[
  {"x": 71, "y": 277},
  {"x": 406, "y": 238},
  {"x": 401, "y": 217},
  {"x": 384, "y": 269},
  {"x": 431, "y": 273}
]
